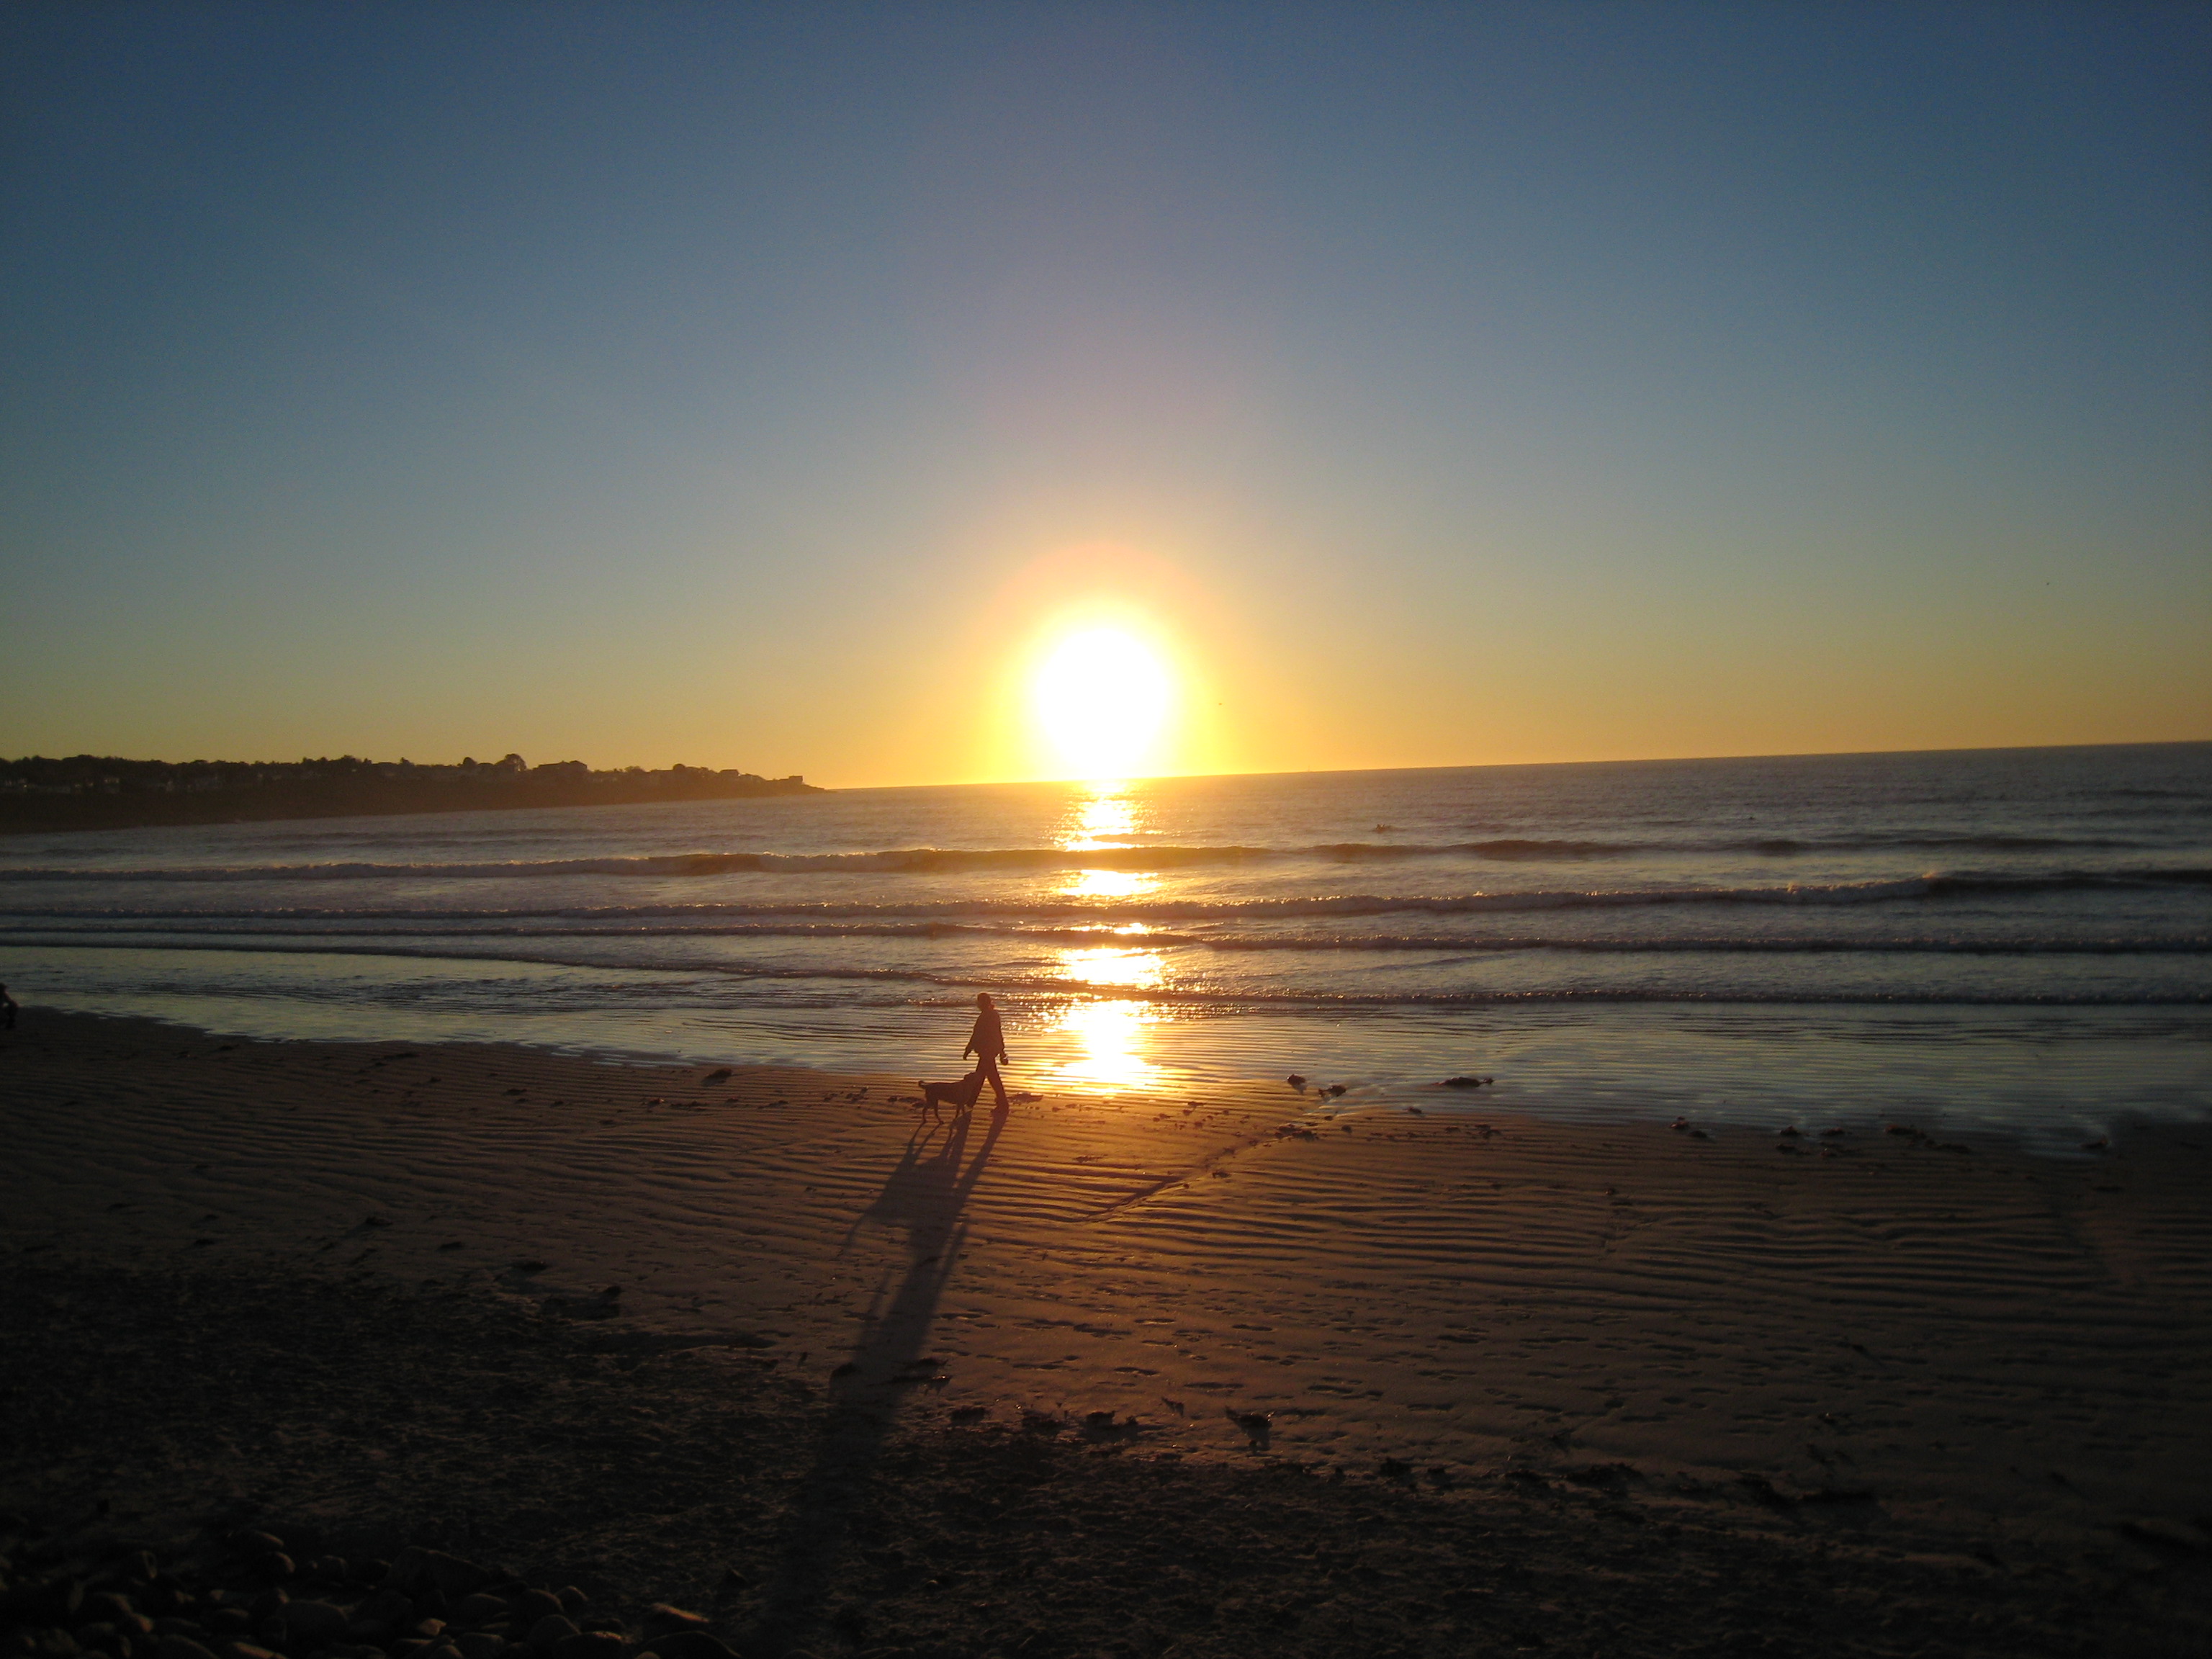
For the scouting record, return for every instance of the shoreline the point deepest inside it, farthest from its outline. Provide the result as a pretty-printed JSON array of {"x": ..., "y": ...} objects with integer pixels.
[
  {"x": 2035, "y": 1139},
  {"x": 2118, "y": 1069}
]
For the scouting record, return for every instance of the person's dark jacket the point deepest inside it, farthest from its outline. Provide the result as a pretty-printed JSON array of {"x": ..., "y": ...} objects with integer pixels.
[{"x": 987, "y": 1041}]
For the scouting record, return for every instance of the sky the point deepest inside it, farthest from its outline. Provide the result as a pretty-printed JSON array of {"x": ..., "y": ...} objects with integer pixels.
[{"x": 773, "y": 385}]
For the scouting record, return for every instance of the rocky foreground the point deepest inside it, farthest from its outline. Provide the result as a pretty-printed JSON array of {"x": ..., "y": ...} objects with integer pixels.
[
  {"x": 234, "y": 1466},
  {"x": 244, "y": 1596}
]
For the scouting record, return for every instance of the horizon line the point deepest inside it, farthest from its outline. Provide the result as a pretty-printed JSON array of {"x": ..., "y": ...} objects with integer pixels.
[{"x": 1500, "y": 766}]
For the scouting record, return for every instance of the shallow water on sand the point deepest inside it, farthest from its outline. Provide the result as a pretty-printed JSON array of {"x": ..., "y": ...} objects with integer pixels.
[{"x": 2013, "y": 939}]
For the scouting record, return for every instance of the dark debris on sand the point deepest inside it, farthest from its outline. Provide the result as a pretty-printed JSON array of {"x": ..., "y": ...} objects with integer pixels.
[{"x": 231, "y": 1467}]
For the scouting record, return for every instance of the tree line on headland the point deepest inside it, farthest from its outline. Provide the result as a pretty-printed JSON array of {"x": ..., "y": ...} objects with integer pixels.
[{"x": 102, "y": 792}]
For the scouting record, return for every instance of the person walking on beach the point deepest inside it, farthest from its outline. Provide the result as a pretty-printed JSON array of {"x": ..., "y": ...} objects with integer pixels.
[
  {"x": 8, "y": 1011},
  {"x": 987, "y": 1042}
]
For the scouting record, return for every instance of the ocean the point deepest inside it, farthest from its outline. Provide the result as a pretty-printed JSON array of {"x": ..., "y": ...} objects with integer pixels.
[{"x": 2008, "y": 940}]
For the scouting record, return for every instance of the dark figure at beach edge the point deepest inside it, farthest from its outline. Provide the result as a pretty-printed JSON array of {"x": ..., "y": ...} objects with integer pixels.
[
  {"x": 987, "y": 1042},
  {"x": 8, "y": 1015}
]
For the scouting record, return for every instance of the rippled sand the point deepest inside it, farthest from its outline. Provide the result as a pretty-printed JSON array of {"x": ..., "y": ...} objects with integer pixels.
[{"x": 1932, "y": 1339}]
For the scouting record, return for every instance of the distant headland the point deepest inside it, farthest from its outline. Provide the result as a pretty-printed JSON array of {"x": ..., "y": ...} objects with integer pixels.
[{"x": 101, "y": 792}]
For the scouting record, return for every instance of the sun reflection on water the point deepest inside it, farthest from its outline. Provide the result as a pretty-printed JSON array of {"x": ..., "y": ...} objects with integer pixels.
[
  {"x": 1107, "y": 818},
  {"x": 1113, "y": 964},
  {"x": 1104, "y": 818},
  {"x": 1109, "y": 883},
  {"x": 1111, "y": 1038}
]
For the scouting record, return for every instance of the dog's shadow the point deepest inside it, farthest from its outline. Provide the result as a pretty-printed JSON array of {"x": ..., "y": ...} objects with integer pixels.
[{"x": 928, "y": 1190}]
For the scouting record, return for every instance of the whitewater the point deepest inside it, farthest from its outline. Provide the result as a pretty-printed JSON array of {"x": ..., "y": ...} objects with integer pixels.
[{"x": 2017, "y": 938}]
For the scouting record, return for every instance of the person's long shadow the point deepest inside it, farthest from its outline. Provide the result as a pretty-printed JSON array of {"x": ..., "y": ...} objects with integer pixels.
[{"x": 926, "y": 1194}]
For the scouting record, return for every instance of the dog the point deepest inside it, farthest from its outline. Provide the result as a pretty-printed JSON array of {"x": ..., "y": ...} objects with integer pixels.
[{"x": 960, "y": 1095}]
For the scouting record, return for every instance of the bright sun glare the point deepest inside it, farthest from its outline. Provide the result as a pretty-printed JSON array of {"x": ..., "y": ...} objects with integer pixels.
[{"x": 1102, "y": 697}]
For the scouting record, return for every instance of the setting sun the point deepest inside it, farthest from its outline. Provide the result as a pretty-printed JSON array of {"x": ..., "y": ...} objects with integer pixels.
[{"x": 1102, "y": 697}]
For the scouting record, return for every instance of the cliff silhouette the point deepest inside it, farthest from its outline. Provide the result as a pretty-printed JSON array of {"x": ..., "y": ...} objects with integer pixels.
[{"x": 104, "y": 792}]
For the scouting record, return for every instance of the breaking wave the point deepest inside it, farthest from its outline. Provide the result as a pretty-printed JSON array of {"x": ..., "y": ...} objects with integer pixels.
[
  {"x": 1906, "y": 890},
  {"x": 934, "y": 860},
  {"x": 1050, "y": 983},
  {"x": 136, "y": 926}
]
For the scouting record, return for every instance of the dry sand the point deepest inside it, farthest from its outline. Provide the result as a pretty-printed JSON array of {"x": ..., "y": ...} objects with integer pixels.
[{"x": 1925, "y": 1349}]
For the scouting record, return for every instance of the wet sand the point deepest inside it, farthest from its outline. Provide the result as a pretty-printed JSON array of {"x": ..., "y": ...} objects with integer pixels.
[{"x": 1950, "y": 1347}]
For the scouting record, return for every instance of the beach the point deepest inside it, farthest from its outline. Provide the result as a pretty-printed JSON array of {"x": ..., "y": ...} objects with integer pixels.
[{"x": 1891, "y": 1342}]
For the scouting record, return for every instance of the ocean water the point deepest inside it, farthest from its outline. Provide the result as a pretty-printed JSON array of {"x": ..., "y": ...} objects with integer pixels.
[{"x": 2016, "y": 939}]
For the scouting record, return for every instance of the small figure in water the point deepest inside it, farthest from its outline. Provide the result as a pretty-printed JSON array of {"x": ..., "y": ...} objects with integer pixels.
[{"x": 987, "y": 1042}]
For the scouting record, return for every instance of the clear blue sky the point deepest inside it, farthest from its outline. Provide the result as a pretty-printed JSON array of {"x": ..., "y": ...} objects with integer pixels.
[{"x": 759, "y": 385}]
